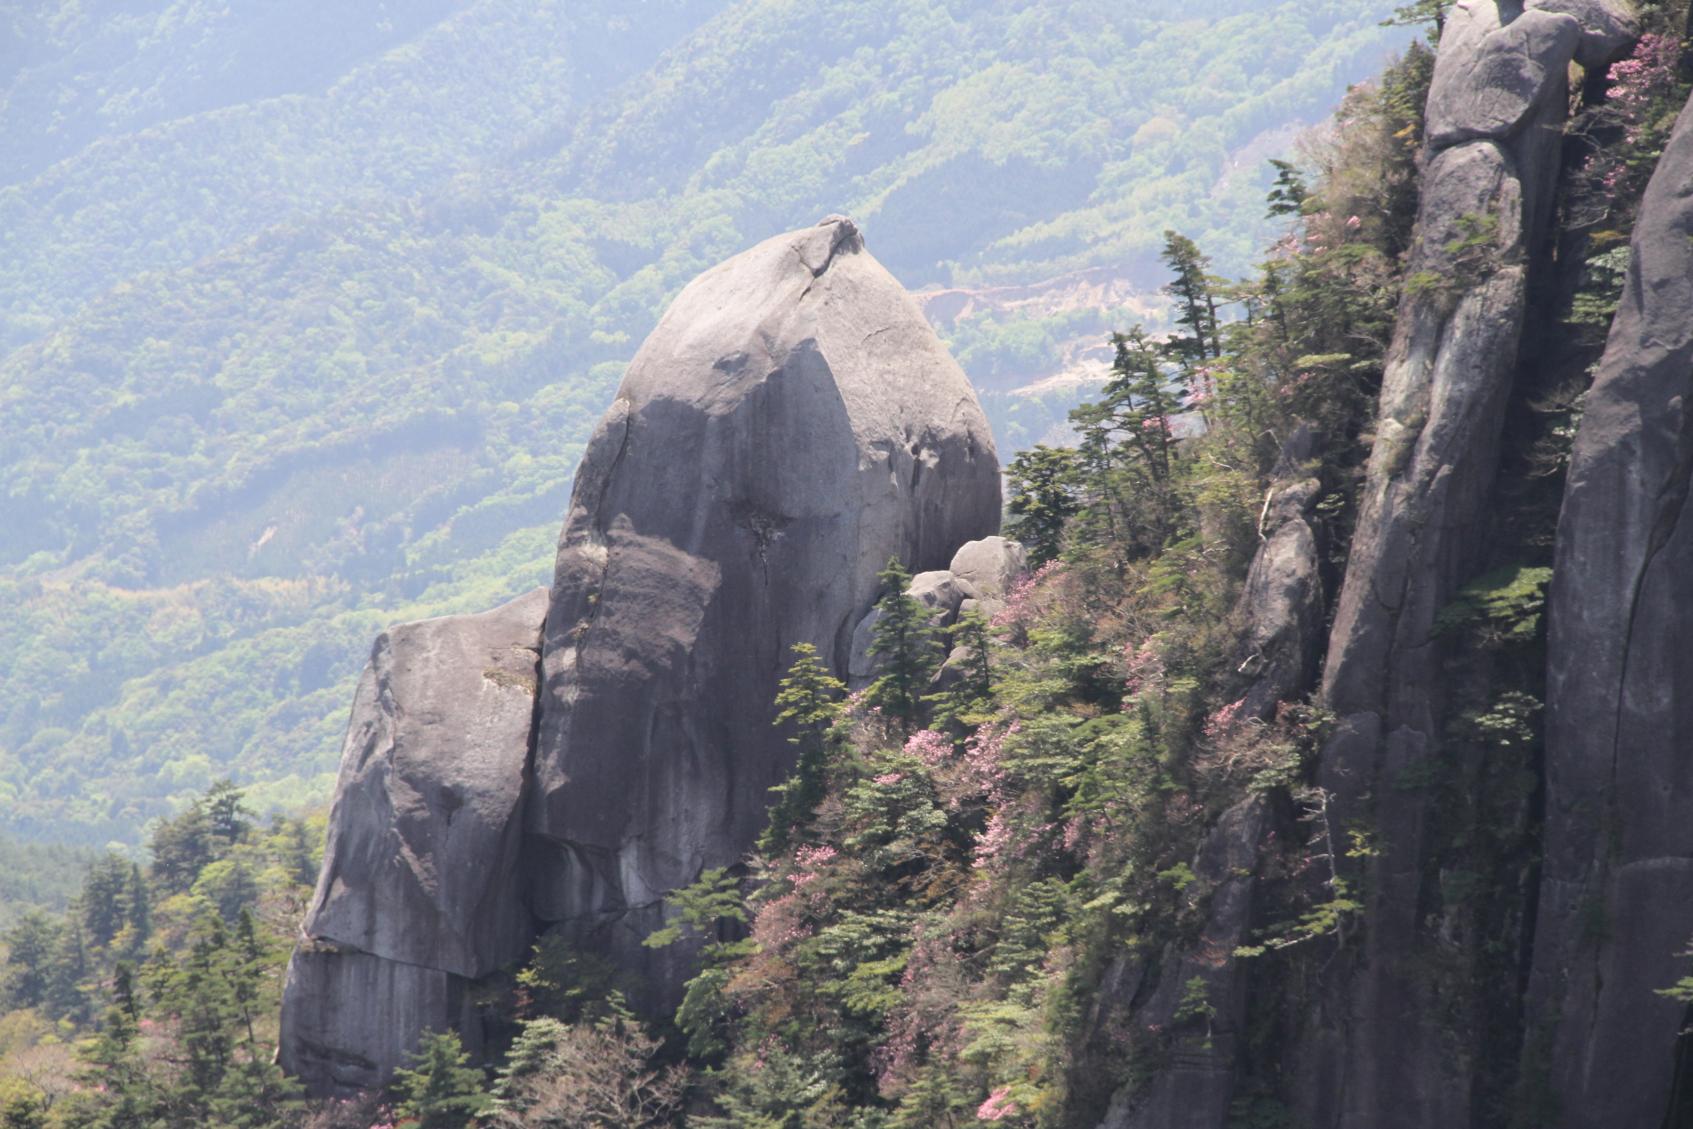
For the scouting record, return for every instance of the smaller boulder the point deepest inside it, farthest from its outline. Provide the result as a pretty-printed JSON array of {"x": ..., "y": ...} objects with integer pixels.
[
  {"x": 990, "y": 566},
  {"x": 941, "y": 591},
  {"x": 421, "y": 863}
]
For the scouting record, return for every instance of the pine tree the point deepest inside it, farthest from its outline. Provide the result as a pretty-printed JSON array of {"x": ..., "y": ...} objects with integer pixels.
[
  {"x": 933, "y": 1101},
  {"x": 441, "y": 1090},
  {"x": 104, "y": 901},
  {"x": 528, "y": 1057},
  {"x": 971, "y": 695},
  {"x": 180, "y": 848},
  {"x": 907, "y": 644},
  {"x": 1419, "y": 13},
  {"x": 68, "y": 974},
  {"x": 1196, "y": 302},
  {"x": 1043, "y": 498},
  {"x": 119, "y": 1093},
  {"x": 227, "y": 813},
  {"x": 809, "y": 702},
  {"x": 23, "y": 1110},
  {"x": 1125, "y": 455},
  {"x": 1288, "y": 195},
  {"x": 30, "y": 946}
]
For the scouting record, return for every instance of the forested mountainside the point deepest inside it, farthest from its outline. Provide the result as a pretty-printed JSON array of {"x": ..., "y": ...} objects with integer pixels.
[
  {"x": 307, "y": 308},
  {"x": 1312, "y": 763}
]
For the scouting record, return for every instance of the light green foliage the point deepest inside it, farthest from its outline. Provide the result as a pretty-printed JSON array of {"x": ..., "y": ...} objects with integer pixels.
[
  {"x": 168, "y": 997},
  {"x": 587, "y": 1075},
  {"x": 299, "y": 342},
  {"x": 1501, "y": 608}
]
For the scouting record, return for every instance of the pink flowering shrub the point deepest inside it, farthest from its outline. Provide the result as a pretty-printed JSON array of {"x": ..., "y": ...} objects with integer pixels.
[
  {"x": 998, "y": 1107},
  {"x": 1645, "y": 91},
  {"x": 1023, "y": 604},
  {"x": 1646, "y": 76},
  {"x": 933, "y": 749}
]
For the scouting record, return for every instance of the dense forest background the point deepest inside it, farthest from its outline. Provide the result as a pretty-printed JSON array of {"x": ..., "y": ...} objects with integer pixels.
[{"x": 306, "y": 309}]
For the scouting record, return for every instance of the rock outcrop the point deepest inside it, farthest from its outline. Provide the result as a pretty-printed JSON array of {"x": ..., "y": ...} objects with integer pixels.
[
  {"x": 1614, "y": 911},
  {"x": 1199, "y": 999},
  {"x": 790, "y": 425},
  {"x": 978, "y": 579},
  {"x": 1376, "y": 1052},
  {"x": 421, "y": 887},
  {"x": 1281, "y": 603}
]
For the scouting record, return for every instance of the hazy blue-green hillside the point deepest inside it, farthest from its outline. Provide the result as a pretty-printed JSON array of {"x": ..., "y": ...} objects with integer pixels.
[{"x": 307, "y": 308}]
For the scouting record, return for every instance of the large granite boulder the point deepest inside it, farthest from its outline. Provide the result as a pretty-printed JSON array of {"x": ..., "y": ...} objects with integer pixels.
[
  {"x": 1616, "y": 893},
  {"x": 790, "y": 425},
  {"x": 420, "y": 890}
]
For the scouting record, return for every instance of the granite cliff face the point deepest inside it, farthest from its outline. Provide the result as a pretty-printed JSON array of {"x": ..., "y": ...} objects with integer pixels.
[
  {"x": 1381, "y": 1050},
  {"x": 790, "y": 425},
  {"x": 568, "y": 759},
  {"x": 1614, "y": 910}
]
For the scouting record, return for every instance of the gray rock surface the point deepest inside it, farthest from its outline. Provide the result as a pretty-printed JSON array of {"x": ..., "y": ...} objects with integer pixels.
[
  {"x": 349, "y": 1019},
  {"x": 990, "y": 566},
  {"x": 790, "y": 424},
  {"x": 1194, "y": 1087},
  {"x": 1616, "y": 902},
  {"x": 420, "y": 890},
  {"x": 978, "y": 579},
  {"x": 1281, "y": 603},
  {"x": 423, "y": 844},
  {"x": 1377, "y": 1052}
]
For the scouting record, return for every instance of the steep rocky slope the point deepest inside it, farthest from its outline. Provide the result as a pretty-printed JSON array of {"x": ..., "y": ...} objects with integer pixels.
[{"x": 1614, "y": 914}]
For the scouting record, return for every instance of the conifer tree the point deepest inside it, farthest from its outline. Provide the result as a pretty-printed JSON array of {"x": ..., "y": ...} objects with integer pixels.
[
  {"x": 972, "y": 693},
  {"x": 1042, "y": 481},
  {"x": 809, "y": 701},
  {"x": 441, "y": 1090},
  {"x": 908, "y": 647},
  {"x": 1196, "y": 302},
  {"x": 30, "y": 947}
]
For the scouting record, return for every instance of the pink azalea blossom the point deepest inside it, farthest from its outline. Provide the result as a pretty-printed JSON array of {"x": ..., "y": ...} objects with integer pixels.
[{"x": 998, "y": 1107}]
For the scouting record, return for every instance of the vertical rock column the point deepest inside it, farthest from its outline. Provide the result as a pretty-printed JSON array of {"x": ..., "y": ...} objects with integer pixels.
[
  {"x": 1376, "y": 1053},
  {"x": 1616, "y": 895}
]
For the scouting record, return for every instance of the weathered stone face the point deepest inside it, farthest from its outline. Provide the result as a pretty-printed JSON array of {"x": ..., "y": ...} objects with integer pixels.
[
  {"x": 420, "y": 890},
  {"x": 790, "y": 425},
  {"x": 1615, "y": 908},
  {"x": 1495, "y": 111}
]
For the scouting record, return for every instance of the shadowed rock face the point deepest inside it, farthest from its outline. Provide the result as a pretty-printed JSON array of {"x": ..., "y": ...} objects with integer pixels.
[
  {"x": 1376, "y": 1053},
  {"x": 1194, "y": 1089},
  {"x": 420, "y": 890},
  {"x": 790, "y": 425},
  {"x": 1616, "y": 902}
]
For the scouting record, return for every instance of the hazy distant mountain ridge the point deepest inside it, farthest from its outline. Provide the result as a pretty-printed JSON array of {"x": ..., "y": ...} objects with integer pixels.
[{"x": 299, "y": 358}]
